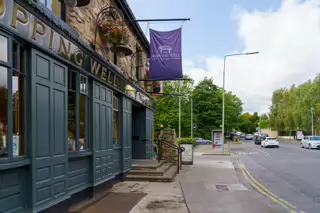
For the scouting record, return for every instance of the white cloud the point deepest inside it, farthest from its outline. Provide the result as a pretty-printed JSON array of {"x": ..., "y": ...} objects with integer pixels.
[{"x": 288, "y": 40}]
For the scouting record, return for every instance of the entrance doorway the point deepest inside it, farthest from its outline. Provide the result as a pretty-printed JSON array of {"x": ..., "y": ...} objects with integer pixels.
[{"x": 141, "y": 132}]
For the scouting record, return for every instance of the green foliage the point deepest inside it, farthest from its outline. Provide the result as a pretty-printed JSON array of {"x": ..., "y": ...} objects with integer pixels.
[
  {"x": 248, "y": 122},
  {"x": 291, "y": 107},
  {"x": 207, "y": 107},
  {"x": 187, "y": 140}
]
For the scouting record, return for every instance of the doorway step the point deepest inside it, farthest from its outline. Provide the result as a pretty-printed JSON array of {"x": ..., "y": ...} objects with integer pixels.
[{"x": 152, "y": 171}]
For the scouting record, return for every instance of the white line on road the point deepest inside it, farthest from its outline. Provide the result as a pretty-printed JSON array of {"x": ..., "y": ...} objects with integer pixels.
[{"x": 257, "y": 149}]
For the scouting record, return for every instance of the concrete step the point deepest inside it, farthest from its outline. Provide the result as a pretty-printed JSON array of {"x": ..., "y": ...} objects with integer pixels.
[
  {"x": 168, "y": 176},
  {"x": 146, "y": 164},
  {"x": 151, "y": 172}
]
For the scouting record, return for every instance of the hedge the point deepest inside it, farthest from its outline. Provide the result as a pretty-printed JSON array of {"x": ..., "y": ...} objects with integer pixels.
[{"x": 187, "y": 140}]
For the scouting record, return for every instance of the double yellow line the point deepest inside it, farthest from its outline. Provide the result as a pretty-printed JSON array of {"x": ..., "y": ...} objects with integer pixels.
[{"x": 263, "y": 190}]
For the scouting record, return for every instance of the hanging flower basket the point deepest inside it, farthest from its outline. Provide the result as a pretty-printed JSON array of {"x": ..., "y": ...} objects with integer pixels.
[{"x": 112, "y": 32}]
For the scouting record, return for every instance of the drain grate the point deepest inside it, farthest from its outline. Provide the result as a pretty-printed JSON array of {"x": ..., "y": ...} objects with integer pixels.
[{"x": 222, "y": 188}]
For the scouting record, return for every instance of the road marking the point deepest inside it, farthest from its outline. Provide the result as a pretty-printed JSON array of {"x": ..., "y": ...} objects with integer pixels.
[
  {"x": 263, "y": 190},
  {"x": 258, "y": 149},
  {"x": 247, "y": 153}
]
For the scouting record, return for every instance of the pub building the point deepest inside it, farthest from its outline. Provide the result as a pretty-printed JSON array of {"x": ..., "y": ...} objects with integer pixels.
[{"x": 71, "y": 121}]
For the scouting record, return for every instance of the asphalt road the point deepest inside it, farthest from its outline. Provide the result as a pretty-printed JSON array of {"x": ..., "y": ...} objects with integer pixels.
[{"x": 290, "y": 172}]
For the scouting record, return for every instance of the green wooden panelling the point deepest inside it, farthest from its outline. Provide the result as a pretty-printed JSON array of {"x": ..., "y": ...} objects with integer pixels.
[
  {"x": 49, "y": 131},
  {"x": 149, "y": 126},
  {"x": 12, "y": 190},
  {"x": 102, "y": 133},
  {"x": 78, "y": 174},
  {"x": 126, "y": 134}
]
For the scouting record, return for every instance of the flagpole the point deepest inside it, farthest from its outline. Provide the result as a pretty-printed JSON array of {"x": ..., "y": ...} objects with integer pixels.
[{"x": 179, "y": 109}]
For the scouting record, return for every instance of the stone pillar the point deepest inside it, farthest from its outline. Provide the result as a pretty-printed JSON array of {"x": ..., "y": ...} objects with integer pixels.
[{"x": 169, "y": 154}]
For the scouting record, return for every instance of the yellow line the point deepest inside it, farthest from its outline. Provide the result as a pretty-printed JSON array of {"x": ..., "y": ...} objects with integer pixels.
[
  {"x": 263, "y": 192},
  {"x": 263, "y": 187}
]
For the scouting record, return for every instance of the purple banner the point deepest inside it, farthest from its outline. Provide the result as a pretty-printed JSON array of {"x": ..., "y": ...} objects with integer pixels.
[{"x": 165, "y": 55}]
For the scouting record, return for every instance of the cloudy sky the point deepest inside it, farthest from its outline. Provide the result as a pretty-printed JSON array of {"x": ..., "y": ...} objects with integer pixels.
[{"x": 285, "y": 32}]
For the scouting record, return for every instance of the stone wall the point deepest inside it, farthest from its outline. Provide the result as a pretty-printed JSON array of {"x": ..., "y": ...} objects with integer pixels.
[
  {"x": 270, "y": 132},
  {"x": 83, "y": 19},
  {"x": 169, "y": 154}
]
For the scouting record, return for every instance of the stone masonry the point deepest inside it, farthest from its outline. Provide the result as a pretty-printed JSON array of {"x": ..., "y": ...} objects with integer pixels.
[
  {"x": 83, "y": 19},
  {"x": 169, "y": 154}
]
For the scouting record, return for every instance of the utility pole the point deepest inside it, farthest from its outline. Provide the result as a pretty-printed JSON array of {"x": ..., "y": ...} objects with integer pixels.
[
  {"x": 312, "y": 109},
  {"x": 191, "y": 118},
  {"x": 179, "y": 109}
]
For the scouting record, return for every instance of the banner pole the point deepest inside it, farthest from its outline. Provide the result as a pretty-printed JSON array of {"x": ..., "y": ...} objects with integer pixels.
[{"x": 179, "y": 109}]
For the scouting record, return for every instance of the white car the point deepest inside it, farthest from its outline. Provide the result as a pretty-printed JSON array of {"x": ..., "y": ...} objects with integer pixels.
[
  {"x": 270, "y": 142},
  {"x": 311, "y": 142}
]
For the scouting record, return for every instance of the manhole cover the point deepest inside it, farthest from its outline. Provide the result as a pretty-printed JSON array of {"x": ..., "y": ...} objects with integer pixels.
[{"x": 222, "y": 188}]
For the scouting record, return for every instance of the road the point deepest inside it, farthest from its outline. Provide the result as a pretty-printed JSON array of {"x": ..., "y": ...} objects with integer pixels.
[{"x": 289, "y": 172}]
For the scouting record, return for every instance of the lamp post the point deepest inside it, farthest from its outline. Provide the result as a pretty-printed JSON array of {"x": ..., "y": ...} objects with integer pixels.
[
  {"x": 224, "y": 74},
  {"x": 312, "y": 110}
]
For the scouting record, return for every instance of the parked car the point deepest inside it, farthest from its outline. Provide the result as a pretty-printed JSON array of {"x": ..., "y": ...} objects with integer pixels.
[
  {"x": 264, "y": 134},
  {"x": 270, "y": 142},
  {"x": 242, "y": 135},
  {"x": 310, "y": 142},
  {"x": 258, "y": 139},
  {"x": 202, "y": 141},
  {"x": 249, "y": 137}
]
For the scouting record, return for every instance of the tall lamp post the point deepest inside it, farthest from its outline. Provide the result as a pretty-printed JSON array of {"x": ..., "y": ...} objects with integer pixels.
[
  {"x": 312, "y": 110},
  {"x": 224, "y": 74}
]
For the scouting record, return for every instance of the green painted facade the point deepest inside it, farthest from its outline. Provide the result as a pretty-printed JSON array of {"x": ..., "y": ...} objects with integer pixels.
[{"x": 48, "y": 173}]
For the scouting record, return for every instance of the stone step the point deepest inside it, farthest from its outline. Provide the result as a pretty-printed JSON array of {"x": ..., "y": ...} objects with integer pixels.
[
  {"x": 151, "y": 172},
  {"x": 168, "y": 176},
  {"x": 146, "y": 164}
]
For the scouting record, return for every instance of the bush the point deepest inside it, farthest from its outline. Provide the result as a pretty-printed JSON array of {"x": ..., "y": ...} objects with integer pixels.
[{"x": 187, "y": 140}]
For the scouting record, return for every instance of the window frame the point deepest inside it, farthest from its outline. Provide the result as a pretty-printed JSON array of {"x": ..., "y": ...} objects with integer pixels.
[
  {"x": 10, "y": 69},
  {"x": 119, "y": 144},
  {"x": 78, "y": 94},
  {"x": 57, "y": 5}
]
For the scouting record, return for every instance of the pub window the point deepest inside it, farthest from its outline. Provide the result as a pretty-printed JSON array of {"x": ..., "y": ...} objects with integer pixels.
[
  {"x": 116, "y": 132},
  {"x": 12, "y": 90},
  {"x": 83, "y": 112},
  {"x": 56, "y": 6},
  {"x": 77, "y": 111}
]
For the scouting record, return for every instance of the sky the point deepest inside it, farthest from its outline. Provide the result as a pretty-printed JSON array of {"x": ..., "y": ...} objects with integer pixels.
[{"x": 286, "y": 33}]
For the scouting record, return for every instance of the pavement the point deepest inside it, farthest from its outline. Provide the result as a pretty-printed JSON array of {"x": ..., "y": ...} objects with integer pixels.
[
  {"x": 251, "y": 180},
  {"x": 289, "y": 175},
  {"x": 214, "y": 185}
]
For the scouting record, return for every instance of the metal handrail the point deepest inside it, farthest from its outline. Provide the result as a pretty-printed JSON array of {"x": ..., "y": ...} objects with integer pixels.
[{"x": 172, "y": 146}]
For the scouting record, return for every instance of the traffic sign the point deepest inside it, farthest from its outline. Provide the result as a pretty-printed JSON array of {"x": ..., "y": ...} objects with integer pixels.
[
  {"x": 195, "y": 127},
  {"x": 220, "y": 125}
]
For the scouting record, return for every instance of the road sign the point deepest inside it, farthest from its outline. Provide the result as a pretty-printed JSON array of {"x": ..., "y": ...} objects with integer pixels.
[
  {"x": 220, "y": 125},
  {"x": 195, "y": 127}
]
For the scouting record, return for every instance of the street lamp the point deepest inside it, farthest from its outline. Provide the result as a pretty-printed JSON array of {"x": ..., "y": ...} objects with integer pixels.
[
  {"x": 312, "y": 110},
  {"x": 224, "y": 74}
]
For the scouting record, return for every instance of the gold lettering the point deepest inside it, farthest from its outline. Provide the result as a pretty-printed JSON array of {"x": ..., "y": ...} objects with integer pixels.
[
  {"x": 51, "y": 39},
  {"x": 95, "y": 67},
  {"x": 109, "y": 77},
  {"x": 114, "y": 81},
  {"x": 78, "y": 60},
  {"x": 1, "y": 7},
  {"x": 36, "y": 31},
  {"x": 104, "y": 74},
  {"x": 63, "y": 47},
  {"x": 15, "y": 17}
]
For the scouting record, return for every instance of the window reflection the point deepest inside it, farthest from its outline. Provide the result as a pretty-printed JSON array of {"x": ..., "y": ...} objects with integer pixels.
[
  {"x": 116, "y": 132},
  {"x": 18, "y": 114},
  {"x": 3, "y": 112},
  {"x": 72, "y": 120},
  {"x": 4, "y": 49},
  {"x": 83, "y": 110}
]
